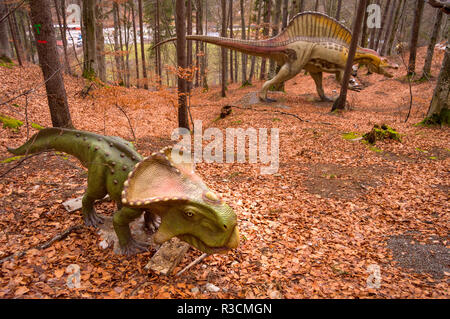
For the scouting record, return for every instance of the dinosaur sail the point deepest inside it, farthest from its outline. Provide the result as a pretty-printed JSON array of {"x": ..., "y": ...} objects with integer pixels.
[{"x": 313, "y": 27}]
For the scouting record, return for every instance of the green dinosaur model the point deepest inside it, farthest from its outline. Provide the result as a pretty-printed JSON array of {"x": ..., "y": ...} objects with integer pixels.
[
  {"x": 157, "y": 185},
  {"x": 312, "y": 41}
]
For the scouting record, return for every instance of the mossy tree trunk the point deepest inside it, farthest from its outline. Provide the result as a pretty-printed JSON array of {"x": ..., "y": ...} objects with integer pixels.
[
  {"x": 439, "y": 107},
  {"x": 426, "y": 73},
  {"x": 89, "y": 42},
  {"x": 5, "y": 50}
]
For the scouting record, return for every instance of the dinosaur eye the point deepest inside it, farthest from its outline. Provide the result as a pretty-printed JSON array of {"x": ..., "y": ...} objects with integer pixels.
[{"x": 189, "y": 213}]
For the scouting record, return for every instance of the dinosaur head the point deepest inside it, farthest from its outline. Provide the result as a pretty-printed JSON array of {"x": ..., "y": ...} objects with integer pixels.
[
  {"x": 375, "y": 62},
  {"x": 188, "y": 209}
]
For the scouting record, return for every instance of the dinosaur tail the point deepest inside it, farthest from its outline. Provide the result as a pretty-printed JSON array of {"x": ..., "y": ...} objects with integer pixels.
[
  {"x": 264, "y": 48},
  {"x": 59, "y": 139}
]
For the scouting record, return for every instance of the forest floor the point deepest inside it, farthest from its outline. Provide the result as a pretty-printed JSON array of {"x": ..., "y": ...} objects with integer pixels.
[{"x": 336, "y": 212}]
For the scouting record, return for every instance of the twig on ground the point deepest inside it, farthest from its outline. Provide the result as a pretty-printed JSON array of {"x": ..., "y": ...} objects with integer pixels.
[
  {"x": 195, "y": 262},
  {"x": 44, "y": 245}
]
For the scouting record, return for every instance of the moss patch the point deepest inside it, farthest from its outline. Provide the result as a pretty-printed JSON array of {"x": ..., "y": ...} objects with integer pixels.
[
  {"x": 380, "y": 133},
  {"x": 11, "y": 159},
  {"x": 10, "y": 122},
  {"x": 443, "y": 118},
  {"x": 350, "y": 136}
]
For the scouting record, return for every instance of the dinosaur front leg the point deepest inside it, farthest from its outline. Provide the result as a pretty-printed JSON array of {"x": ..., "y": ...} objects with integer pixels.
[
  {"x": 95, "y": 190},
  {"x": 283, "y": 75},
  {"x": 317, "y": 77},
  {"x": 121, "y": 222},
  {"x": 89, "y": 215}
]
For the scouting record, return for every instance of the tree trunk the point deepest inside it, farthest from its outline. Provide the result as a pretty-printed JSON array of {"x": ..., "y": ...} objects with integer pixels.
[
  {"x": 316, "y": 6},
  {"x": 90, "y": 67},
  {"x": 183, "y": 120},
  {"x": 5, "y": 50},
  {"x": 275, "y": 28},
  {"x": 364, "y": 28},
  {"x": 141, "y": 28},
  {"x": 388, "y": 29},
  {"x": 383, "y": 24},
  {"x": 15, "y": 37},
  {"x": 373, "y": 32},
  {"x": 230, "y": 25},
  {"x": 49, "y": 61},
  {"x": 266, "y": 19},
  {"x": 158, "y": 49},
  {"x": 135, "y": 40},
  {"x": 440, "y": 102},
  {"x": 100, "y": 41},
  {"x": 338, "y": 10},
  {"x": 117, "y": 48},
  {"x": 415, "y": 37},
  {"x": 284, "y": 17},
  {"x": 243, "y": 56},
  {"x": 258, "y": 22},
  {"x": 394, "y": 27},
  {"x": 189, "y": 43},
  {"x": 31, "y": 38},
  {"x": 59, "y": 13},
  {"x": 426, "y": 73},
  {"x": 340, "y": 102},
  {"x": 223, "y": 50}
]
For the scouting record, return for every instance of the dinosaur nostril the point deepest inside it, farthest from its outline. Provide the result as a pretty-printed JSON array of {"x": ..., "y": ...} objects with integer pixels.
[{"x": 225, "y": 226}]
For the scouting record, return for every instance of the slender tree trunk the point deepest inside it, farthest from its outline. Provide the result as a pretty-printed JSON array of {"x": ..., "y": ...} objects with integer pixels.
[
  {"x": 135, "y": 40},
  {"x": 230, "y": 25},
  {"x": 258, "y": 22},
  {"x": 267, "y": 11},
  {"x": 59, "y": 13},
  {"x": 243, "y": 56},
  {"x": 285, "y": 14},
  {"x": 340, "y": 102},
  {"x": 49, "y": 61},
  {"x": 31, "y": 38},
  {"x": 15, "y": 37},
  {"x": 275, "y": 26},
  {"x": 338, "y": 10},
  {"x": 205, "y": 56},
  {"x": 373, "y": 32},
  {"x": 117, "y": 48},
  {"x": 316, "y": 6},
  {"x": 388, "y": 29},
  {"x": 394, "y": 27},
  {"x": 183, "y": 120},
  {"x": 383, "y": 24},
  {"x": 440, "y": 103},
  {"x": 5, "y": 50},
  {"x": 415, "y": 37},
  {"x": 90, "y": 67},
  {"x": 141, "y": 28},
  {"x": 158, "y": 49},
  {"x": 121, "y": 55},
  {"x": 189, "y": 43},
  {"x": 100, "y": 41},
  {"x": 223, "y": 50},
  {"x": 364, "y": 28},
  {"x": 426, "y": 73}
]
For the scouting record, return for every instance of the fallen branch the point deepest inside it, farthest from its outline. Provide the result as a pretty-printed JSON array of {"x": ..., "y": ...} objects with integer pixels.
[
  {"x": 22, "y": 160},
  {"x": 195, "y": 262},
  {"x": 44, "y": 245},
  {"x": 280, "y": 112}
]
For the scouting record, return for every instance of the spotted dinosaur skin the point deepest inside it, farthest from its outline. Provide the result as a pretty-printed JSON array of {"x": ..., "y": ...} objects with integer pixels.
[
  {"x": 312, "y": 41},
  {"x": 156, "y": 185}
]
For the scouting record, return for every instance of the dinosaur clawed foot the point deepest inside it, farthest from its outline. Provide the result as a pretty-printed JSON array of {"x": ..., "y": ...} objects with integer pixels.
[
  {"x": 133, "y": 247},
  {"x": 93, "y": 219},
  {"x": 151, "y": 222}
]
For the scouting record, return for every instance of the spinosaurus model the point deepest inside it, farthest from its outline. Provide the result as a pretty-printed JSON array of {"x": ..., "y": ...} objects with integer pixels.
[
  {"x": 312, "y": 41},
  {"x": 157, "y": 186}
]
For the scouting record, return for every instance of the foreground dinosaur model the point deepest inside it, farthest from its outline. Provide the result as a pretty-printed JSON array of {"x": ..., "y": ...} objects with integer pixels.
[
  {"x": 312, "y": 41},
  {"x": 154, "y": 185}
]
